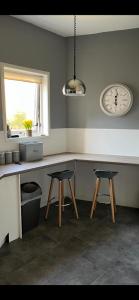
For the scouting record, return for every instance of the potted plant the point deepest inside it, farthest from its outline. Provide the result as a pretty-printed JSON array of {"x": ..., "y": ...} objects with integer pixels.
[{"x": 28, "y": 126}]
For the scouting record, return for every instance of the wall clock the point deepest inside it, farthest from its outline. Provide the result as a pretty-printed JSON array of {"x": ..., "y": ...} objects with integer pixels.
[{"x": 116, "y": 99}]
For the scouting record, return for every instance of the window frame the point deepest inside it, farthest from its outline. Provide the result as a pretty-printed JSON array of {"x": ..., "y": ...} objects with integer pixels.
[{"x": 46, "y": 85}]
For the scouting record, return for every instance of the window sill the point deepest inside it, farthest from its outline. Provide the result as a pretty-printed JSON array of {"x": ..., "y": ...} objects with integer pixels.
[{"x": 25, "y": 139}]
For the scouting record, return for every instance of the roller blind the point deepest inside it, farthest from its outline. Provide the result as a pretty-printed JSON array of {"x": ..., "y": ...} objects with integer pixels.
[{"x": 21, "y": 76}]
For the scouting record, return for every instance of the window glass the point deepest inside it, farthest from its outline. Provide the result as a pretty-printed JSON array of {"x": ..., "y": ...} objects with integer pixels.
[
  {"x": 25, "y": 102},
  {"x": 21, "y": 103}
]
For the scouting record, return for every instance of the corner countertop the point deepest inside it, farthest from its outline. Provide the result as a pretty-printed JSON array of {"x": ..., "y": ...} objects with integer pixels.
[{"x": 50, "y": 160}]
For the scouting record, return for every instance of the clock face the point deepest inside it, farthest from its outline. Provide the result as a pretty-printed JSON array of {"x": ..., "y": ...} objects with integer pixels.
[{"x": 116, "y": 100}]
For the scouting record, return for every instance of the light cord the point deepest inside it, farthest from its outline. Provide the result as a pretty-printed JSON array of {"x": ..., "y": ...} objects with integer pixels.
[{"x": 74, "y": 47}]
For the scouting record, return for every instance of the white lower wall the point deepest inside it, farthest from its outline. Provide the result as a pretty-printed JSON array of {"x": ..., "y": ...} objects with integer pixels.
[
  {"x": 56, "y": 142},
  {"x": 103, "y": 141},
  {"x": 85, "y": 140}
]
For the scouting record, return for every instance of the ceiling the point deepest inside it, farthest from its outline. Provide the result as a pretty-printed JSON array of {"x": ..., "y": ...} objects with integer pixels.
[{"x": 86, "y": 24}]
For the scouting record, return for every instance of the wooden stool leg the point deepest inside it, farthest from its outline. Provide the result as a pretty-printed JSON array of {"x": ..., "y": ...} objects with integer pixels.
[
  {"x": 114, "y": 196},
  {"x": 74, "y": 179},
  {"x": 49, "y": 198},
  {"x": 94, "y": 201},
  {"x": 59, "y": 199},
  {"x": 73, "y": 198},
  {"x": 112, "y": 200},
  {"x": 62, "y": 194}
]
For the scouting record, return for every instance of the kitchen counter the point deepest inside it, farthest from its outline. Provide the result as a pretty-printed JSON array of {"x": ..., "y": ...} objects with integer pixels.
[{"x": 50, "y": 160}]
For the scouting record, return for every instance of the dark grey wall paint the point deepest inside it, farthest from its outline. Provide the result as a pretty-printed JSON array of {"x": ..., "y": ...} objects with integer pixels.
[
  {"x": 26, "y": 45},
  {"x": 103, "y": 59}
]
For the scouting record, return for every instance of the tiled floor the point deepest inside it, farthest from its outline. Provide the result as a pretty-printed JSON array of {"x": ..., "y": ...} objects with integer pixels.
[{"x": 83, "y": 252}]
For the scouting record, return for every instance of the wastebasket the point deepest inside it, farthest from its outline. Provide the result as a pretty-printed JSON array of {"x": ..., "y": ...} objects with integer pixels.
[{"x": 30, "y": 205}]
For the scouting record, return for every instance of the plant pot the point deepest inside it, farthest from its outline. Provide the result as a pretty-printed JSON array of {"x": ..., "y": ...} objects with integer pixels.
[{"x": 29, "y": 132}]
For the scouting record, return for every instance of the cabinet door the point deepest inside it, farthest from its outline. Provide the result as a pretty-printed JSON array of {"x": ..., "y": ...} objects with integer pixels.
[{"x": 9, "y": 208}]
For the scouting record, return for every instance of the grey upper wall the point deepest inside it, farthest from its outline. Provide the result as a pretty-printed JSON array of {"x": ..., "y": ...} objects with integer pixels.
[
  {"x": 26, "y": 45},
  {"x": 103, "y": 59}
]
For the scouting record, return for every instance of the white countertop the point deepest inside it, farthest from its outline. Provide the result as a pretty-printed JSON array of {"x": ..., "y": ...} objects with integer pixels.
[{"x": 13, "y": 169}]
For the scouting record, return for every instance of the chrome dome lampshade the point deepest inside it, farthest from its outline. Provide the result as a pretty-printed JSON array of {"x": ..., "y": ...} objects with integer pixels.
[{"x": 74, "y": 87}]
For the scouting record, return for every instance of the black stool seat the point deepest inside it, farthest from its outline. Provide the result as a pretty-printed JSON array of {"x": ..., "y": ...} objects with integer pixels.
[
  {"x": 66, "y": 174},
  {"x": 105, "y": 173}
]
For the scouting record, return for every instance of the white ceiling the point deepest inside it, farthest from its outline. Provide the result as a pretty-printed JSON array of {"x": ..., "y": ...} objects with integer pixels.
[{"x": 86, "y": 24}]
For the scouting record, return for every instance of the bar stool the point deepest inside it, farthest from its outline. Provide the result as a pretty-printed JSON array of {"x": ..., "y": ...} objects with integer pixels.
[
  {"x": 61, "y": 176},
  {"x": 102, "y": 174}
]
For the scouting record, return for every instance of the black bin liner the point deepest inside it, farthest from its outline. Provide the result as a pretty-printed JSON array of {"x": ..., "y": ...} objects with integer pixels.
[{"x": 30, "y": 205}]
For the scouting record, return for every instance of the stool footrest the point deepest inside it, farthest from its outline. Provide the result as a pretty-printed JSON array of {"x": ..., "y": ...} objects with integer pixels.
[
  {"x": 103, "y": 194},
  {"x": 67, "y": 204}
]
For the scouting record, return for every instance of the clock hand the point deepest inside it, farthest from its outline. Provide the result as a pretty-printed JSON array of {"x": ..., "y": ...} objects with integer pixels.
[{"x": 115, "y": 101}]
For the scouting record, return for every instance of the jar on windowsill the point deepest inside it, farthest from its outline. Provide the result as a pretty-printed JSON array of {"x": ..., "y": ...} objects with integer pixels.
[{"x": 29, "y": 132}]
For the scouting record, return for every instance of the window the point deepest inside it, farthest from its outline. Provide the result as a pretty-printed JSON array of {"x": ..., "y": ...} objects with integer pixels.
[{"x": 25, "y": 97}]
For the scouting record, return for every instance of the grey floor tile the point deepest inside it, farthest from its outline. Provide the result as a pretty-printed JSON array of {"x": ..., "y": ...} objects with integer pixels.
[
  {"x": 85, "y": 251},
  {"x": 119, "y": 276},
  {"x": 75, "y": 272}
]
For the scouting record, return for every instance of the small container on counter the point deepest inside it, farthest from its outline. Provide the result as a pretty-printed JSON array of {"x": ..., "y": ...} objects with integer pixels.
[
  {"x": 8, "y": 157},
  {"x": 16, "y": 156},
  {"x": 2, "y": 158}
]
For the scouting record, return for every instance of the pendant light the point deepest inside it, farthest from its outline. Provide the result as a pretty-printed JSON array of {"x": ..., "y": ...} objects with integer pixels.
[{"x": 74, "y": 87}]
